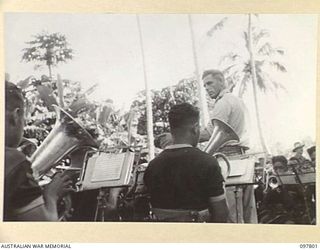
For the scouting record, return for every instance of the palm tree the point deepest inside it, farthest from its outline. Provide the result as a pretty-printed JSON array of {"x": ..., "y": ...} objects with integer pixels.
[
  {"x": 201, "y": 91},
  {"x": 148, "y": 95},
  {"x": 252, "y": 66},
  {"x": 50, "y": 49}
]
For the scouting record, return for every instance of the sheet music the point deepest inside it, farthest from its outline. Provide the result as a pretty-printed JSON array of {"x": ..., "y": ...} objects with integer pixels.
[
  {"x": 108, "y": 167},
  {"x": 238, "y": 168},
  {"x": 242, "y": 171}
]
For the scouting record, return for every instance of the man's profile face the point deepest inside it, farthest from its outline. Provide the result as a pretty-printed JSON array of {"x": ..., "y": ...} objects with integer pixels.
[
  {"x": 14, "y": 127},
  {"x": 213, "y": 85},
  {"x": 280, "y": 167},
  {"x": 299, "y": 150}
]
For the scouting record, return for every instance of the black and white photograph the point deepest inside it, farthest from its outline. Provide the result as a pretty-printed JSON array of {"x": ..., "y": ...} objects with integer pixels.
[{"x": 184, "y": 118}]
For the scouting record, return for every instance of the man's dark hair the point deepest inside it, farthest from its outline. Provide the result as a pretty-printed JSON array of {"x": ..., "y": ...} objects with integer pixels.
[
  {"x": 181, "y": 115},
  {"x": 311, "y": 150},
  {"x": 214, "y": 73},
  {"x": 13, "y": 96},
  {"x": 280, "y": 158}
]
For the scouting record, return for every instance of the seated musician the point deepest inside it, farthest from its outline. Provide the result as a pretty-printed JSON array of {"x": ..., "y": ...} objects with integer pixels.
[
  {"x": 24, "y": 200},
  {"x": 278, "y": 205},
  {"x": 183, "y": 180},
  {"x": 298, "y": 155}
]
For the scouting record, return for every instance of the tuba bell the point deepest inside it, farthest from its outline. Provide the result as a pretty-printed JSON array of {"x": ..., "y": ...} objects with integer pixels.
[
  {"x": 66, "y": 136},
  {"x": 222, "y": 134}
]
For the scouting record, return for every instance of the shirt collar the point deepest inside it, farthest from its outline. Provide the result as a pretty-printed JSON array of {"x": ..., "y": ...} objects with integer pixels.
[
  {"x": 222, "y": 93},
  {"x": 174, "y": 146}
]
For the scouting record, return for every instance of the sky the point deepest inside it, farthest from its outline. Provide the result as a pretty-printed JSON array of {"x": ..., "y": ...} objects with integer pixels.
[{"x": 107, "y": 52}]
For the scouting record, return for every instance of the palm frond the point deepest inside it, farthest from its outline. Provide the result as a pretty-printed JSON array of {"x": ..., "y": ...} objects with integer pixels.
[
  {"x": 243, "y": 85},
  {"x": 226, "y": 70},
  {"x": 278, "y": 85},
  {"x": 217, "y": 26},
  {"x": 275, "y": 84},
  {"x": 258, "y": 36},
  {"x": 279, "y": 51},
  {"x": 261, "y": 83},
  {"x": 278, "y": 66},
  {"x": 267, "y": 50},
  {"x": 231, "y": 57}
]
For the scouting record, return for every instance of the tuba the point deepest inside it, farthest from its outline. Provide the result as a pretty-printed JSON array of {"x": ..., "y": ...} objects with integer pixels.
[
  {"x": 222, "y": 134},
  {"x": 66, "y": 136}
]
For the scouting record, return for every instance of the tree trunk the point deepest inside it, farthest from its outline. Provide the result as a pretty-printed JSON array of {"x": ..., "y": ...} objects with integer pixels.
[
  {"x": 201, "y": 92},
  {"x": 254, "y": 85},
  {"x": 148, "y": 98},
  {"x": 50, "y": 72}
]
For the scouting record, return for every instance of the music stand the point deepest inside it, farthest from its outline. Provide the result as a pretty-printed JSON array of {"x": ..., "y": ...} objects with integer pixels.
[
  {"x": 241, "y": 174},
  {"x": 103, "y": 170}
]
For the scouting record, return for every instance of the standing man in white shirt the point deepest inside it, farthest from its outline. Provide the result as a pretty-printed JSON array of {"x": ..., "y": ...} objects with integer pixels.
[{"x": 231, "y": 110}]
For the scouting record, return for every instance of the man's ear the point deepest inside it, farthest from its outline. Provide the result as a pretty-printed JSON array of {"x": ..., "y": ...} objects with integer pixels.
[
  {"x": 15, "y": 116},
  {"x": 194, "y": 128}
]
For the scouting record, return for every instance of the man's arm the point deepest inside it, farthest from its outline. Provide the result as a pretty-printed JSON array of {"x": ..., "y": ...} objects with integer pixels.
[
  {"x": 204, "y": 135},
  {"x": 218, "y": 209},
  {"x": 44, "y": 207},
  {"x": 220, "y": 111}
]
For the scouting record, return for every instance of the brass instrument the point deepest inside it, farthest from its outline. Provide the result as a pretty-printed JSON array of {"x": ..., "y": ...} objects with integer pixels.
[
  {"x": 272, "y": 181},
  {"x": 221, "y": 135},
  {"x": 66, "y": 136}
]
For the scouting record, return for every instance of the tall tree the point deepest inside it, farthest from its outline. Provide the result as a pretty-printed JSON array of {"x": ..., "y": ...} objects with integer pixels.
[
  {"x": 253, "y": 66},
  {"x": 148, "y": 95},
  {"x": 50, "y": 49},
  {"x": 201, "y": 91}
]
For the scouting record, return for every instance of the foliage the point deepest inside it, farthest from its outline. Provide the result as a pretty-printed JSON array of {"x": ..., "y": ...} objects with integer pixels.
[
  {"x": 101, "y": 120},
  {"x": 50, "y": 49},
  {"x": 162, "y": 101},
  {"x": 236, "y": 64}
]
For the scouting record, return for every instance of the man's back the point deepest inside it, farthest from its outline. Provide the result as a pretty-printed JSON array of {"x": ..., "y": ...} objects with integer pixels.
[{"x": 183, "y": 178}]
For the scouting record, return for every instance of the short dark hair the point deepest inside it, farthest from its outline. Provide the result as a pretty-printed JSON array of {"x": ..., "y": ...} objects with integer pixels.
[
  {"x": 183, "y": 114},
  {"x": 311, "y": 150},
  {"x": 214, "y": 73},
  {"x": 14, "y": 98},
  {"x": 280, "y": 158}
]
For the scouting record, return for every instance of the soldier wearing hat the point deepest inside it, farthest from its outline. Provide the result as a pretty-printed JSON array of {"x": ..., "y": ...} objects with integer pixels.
[{"x": 298, "y": 150}]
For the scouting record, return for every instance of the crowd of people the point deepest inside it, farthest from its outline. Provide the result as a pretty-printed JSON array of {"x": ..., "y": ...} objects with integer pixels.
[{"x": 183, "y": 182}]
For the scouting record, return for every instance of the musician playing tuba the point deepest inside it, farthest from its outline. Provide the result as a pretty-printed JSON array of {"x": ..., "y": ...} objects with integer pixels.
[
  {"x": 24, "y": 200},
  {"x": 231, "y": 110}
]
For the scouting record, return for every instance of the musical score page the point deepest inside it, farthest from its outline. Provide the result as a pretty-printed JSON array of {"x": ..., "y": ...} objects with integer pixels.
[
  {"x": 238, "y": 168},
  {"x": 108, "y": 167}
]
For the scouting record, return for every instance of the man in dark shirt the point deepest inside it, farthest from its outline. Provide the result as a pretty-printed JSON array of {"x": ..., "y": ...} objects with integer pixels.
[
  {"x": 183, "y": 177},
  {"x": 23, "y": 197}
]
